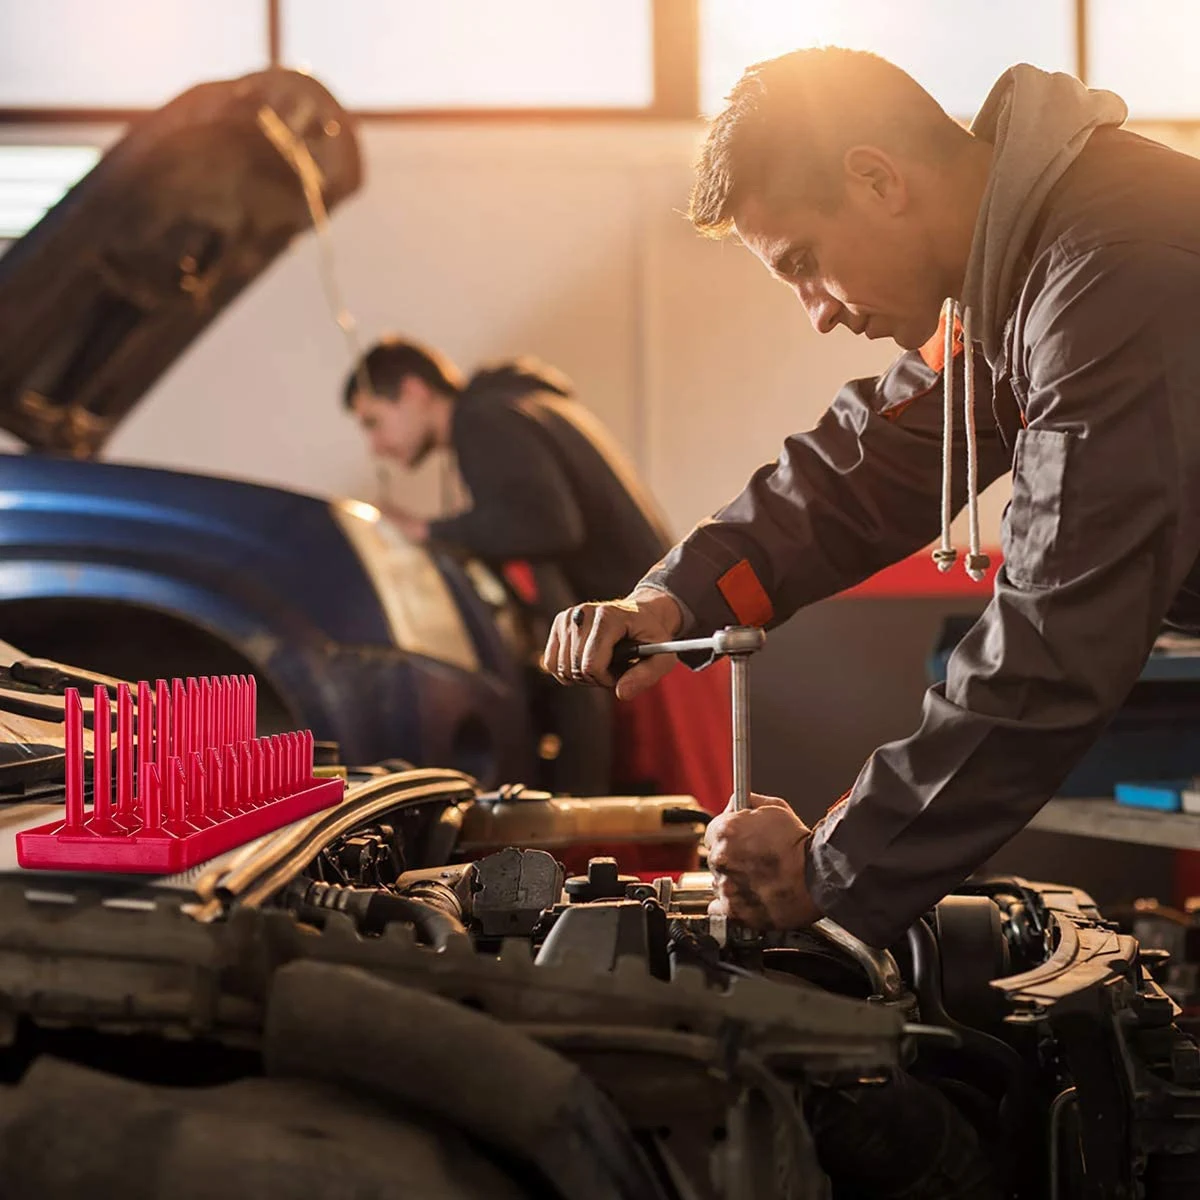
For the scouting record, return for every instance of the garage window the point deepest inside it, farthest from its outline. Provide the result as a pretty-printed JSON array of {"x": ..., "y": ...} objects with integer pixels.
[
  {"x": 474, "y": 54},
  {"x": 954, "y": 48}
]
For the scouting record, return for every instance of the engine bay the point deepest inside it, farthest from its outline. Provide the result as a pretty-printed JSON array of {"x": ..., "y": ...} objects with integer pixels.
[{"x": 1015, "y": 1044}]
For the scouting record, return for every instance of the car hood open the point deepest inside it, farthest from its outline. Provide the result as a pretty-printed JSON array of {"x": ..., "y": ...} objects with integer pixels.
[{"x": 118, "y": 279}]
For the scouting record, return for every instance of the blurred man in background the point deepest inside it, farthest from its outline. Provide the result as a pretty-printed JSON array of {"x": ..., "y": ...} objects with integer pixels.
[
  {"x": 560, "y": 514},
  {"x": 547, "y": 483}
]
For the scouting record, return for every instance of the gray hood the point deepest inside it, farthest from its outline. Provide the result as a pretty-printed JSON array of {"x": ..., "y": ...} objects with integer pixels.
[{"x": 1038, "y": 123}]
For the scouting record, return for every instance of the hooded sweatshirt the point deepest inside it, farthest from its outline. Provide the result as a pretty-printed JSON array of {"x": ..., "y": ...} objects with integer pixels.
[
  {"x": 548, "y": 485},
  {"x": 1081, "y": 302},
  {"x": 1038, "y": 124}
]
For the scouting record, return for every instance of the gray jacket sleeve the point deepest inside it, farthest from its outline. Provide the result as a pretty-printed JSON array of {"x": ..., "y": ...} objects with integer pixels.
[
  {"x": 1103, "y": 527},
  {"x": 854, "y": 495}
]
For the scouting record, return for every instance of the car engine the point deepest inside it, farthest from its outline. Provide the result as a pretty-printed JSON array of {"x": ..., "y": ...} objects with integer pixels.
[{"x": 353, "y": 1004}]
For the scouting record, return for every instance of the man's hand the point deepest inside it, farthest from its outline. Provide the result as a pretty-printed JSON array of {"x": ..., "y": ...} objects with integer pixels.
[
  {"x": 415, "y": 528},
  {"x": 580, "y": 646},
  {"x": 757, "y": 859}
]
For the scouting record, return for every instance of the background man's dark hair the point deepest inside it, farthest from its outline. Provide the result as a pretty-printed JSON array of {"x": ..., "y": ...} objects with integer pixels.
[
  {"x": 391, "y": 361},
  {"x": 790, "y": 120}
]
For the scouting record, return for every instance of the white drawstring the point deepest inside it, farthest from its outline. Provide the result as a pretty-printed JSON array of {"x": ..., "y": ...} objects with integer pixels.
[
  {"x": 977, "y": 562},
  {"x": 945, "y": 555}
]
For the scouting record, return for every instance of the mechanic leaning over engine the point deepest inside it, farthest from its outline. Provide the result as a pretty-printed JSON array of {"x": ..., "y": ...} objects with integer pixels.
[{"x": 1067, "y": 253}]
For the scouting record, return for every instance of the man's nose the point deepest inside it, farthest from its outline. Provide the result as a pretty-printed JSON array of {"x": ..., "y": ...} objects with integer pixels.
[{"x": 823, "y": 310}]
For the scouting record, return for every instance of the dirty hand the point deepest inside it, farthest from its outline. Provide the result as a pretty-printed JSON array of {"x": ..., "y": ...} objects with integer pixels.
[
  {"x": 580, "y": 646},
  {"x": 757, "y": 860}
]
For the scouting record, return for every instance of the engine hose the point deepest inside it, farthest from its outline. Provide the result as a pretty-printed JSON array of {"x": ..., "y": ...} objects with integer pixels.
[
  {"x": 927, "y": 984},
  {"x": 420, "y": 1052},
  {"x": 436, "y": 894},
  {"x": 899, "y": 1140},
  {"x": 372, "y": 909},
  {"x": 433, "y": 925}
]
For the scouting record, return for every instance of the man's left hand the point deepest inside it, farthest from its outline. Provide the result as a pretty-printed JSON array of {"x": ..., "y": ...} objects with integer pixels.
[{"x": 757, "y": 858}]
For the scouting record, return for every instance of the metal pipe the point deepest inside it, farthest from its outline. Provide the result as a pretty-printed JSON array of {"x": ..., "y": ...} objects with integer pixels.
[
  {"x": 879, "y": 965},
  {"x": 740, "y": 688},
  {"x": 687, "y": 646},
  {"x": 734, "y": 639},
  {"x": 737, "y": 642}
]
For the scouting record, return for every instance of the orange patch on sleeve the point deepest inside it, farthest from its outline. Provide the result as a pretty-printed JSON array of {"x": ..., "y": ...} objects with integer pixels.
[{"x": 746, "y": 595}]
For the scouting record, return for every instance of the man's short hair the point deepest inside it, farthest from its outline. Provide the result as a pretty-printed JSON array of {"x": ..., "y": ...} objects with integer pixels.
[
  {"x": 385, "y": 367},
  {"x": 790, "y": 120}
]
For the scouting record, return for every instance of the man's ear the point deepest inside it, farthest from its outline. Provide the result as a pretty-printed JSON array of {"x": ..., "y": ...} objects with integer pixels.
[
  {"x": 412, "y": 389},
  {"x": 874, "y": 173}
]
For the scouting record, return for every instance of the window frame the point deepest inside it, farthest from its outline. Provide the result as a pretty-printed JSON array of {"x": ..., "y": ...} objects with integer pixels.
[{"x": 676, "y": 63}]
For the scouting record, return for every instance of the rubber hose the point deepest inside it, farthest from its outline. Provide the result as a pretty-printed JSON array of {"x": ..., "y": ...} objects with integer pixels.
[
  {"x": 373, "y": 908},
  {"x": 927, "y": 984},
  {"x": 901, "y": 1139},
  {"x": 434, "y": 926},
  {"x": 342, "y": 1025},
  {"x": 1016, "y": 1107}
]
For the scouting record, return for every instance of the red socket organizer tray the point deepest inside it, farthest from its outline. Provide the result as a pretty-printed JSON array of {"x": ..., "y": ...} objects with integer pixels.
[{"x": 195, "y": 781}]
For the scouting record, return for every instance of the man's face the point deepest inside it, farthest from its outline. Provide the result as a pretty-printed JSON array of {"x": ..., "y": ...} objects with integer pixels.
[
  {"x": 398, "y": 429},
  {"x": 867, "y": 265}
]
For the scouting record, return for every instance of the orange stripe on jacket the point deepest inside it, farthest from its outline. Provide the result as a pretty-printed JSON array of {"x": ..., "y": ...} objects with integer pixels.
[
  {"x": 933, "y": 353},
  {"x": 745, "y": 595},
  {"x": 840, "y": 800}
]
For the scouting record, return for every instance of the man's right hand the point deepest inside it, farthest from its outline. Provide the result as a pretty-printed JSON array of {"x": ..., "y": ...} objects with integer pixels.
[{"x": 582, "y": 638}]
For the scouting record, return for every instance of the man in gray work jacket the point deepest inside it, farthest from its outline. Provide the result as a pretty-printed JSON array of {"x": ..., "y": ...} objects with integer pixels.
[{"x": 1065, "y": 252}]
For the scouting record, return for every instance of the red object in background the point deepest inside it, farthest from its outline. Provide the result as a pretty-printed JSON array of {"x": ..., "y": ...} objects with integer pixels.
[
  {"x": 191, "y": 802},
  {"x": 1187, "y": 877},
  {"x": 520, "y": 577},
  {"x": 677, "y": 738},
  {"x": 918, "y": 575}
]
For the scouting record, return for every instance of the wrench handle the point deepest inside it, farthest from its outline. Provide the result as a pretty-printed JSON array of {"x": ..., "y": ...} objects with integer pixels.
[
  {"x": 740, "y": 695},
  {"x": 627, "y": 653}
]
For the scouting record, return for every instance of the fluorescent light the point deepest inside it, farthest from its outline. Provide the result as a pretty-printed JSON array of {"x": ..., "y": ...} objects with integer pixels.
[{"x": 34, "y": 178}]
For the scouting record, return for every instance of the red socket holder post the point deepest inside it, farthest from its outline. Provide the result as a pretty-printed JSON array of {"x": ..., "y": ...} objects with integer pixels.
[{"x": 193, "y": 782}]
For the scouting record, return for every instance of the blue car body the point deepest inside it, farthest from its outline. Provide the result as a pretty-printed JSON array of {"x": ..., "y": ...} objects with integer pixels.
[{"x": 259, "y": 579}]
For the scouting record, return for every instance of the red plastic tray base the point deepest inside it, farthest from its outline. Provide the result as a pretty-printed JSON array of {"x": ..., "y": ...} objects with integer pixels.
[
  {"x": 193, "y": 783},
  {"x": 48, "y": 848}
]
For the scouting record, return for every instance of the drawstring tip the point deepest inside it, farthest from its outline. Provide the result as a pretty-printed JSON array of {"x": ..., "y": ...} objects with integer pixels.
[
  {"x": 944, "y": 558},
  {"x": 977, "y": 566}
]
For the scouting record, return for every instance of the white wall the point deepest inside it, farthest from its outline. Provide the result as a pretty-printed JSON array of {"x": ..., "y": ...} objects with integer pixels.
[{"x": 565, "y": 241}]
